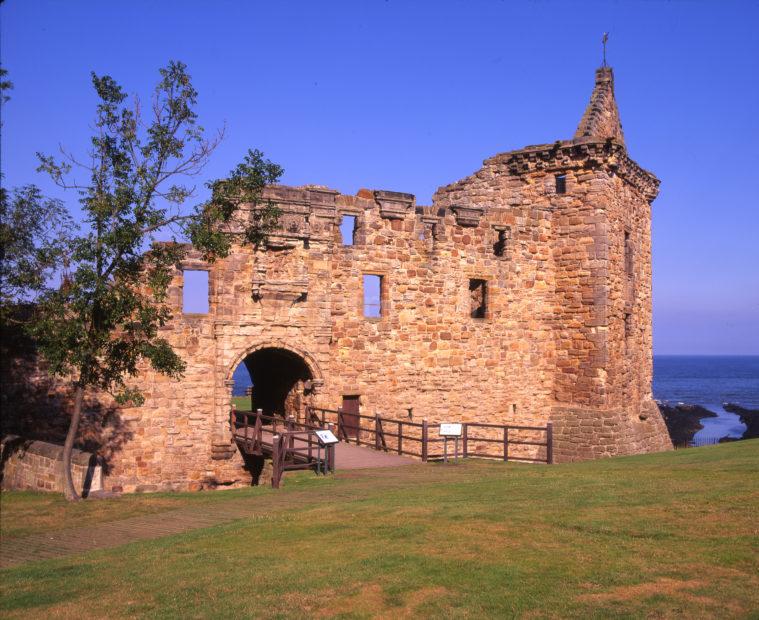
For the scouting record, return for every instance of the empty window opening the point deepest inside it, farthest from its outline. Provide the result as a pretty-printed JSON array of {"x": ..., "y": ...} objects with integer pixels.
[
  {"x": 195, "y": 292},
  {"x": 561, "y": 183},
  {"x": 428, "y": 232},
  {"x": 478, "y": 298},
  {"x": 372, "y": 296},
  {"x": 628, "y": 254},
  {"x": 499, "y": 248},
  {"x": 348, "y": 229}
]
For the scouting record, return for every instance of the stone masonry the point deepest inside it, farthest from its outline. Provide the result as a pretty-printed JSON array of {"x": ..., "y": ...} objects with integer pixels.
[{"x": 522, "y": 295}]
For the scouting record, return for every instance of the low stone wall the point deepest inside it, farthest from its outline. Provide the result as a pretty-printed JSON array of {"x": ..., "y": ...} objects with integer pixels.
[{"x": 36, "y": 466}]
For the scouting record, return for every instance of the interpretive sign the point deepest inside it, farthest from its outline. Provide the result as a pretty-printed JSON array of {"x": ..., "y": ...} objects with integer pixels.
[
  {"x": 326, "y": 438},
  {"x": 450, "y": 430}
]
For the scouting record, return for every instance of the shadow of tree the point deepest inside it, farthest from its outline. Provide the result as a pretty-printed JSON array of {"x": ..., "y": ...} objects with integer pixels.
[{"x": 37, "y": 406}]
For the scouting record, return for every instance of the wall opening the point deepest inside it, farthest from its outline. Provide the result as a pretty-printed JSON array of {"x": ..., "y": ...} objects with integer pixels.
[
  {"x": 499, "y": 247},
  {"x": 348, "y": 229},
  {"x": 561, "y": 183},
  {"x": 275, "y": 380},
  {"x": 628, "y": 254},
  {"x": 195, "y": 292},
  {"x": 478, "y": 298},
  {"x": 373, "y": 296}
]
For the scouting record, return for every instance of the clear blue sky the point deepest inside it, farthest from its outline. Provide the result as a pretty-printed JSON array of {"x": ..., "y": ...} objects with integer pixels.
[{"x": 408, "y": 96}]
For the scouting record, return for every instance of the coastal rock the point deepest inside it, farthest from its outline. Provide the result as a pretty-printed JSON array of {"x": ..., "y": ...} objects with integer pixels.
[
  {"x": 750, "y": 417},
  {"x": 684, "y": 421}
]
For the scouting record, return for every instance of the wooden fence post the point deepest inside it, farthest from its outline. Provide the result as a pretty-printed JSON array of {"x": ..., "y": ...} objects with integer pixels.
[
  {"x": 465, "y": 440},
  {"x": 549, "y": 443},
  {"x": 400, "y": 437},
  {"x": 376, "y": 432},
  {"x": 506, "y": 443},
  {"x": 276, "y": 473},
  {"x": 425, "y": 431},
  {"x": 291, "y": 428}
]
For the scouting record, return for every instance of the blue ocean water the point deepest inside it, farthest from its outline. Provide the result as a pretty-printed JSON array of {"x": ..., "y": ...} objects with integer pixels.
[{"x": 709, "y": 381}]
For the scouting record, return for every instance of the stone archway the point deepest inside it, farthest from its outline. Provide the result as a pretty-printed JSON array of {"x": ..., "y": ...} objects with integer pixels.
[{"x": 284, "y": 379}]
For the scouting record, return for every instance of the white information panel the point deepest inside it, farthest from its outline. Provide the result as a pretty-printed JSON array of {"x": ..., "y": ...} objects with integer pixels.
[
  {"x": 326, "y": 438},
  {"x": 450, "y": 430}
]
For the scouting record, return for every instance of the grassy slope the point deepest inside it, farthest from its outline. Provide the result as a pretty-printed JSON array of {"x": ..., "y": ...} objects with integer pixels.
[{"x": 665, "y": 535}]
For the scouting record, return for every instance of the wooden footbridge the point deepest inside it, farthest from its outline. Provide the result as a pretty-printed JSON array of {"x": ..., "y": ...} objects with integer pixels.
[{"x": 374, "y": 441}]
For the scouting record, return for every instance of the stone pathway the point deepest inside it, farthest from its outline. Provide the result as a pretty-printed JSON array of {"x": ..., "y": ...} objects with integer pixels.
[{"x": 111, "y": 534}]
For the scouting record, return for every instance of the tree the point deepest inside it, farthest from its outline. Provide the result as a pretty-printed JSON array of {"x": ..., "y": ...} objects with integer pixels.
[
  {"x": 105, "y": 318},
  {"x": 34, "y": 235}
]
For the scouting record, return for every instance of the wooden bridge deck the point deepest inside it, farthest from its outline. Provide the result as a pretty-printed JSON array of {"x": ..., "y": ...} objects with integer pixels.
[{"x": 347, "y": 456}]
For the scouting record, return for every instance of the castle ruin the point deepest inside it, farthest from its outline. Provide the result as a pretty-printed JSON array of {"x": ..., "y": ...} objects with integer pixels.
[{"x": 522, "y": 295}]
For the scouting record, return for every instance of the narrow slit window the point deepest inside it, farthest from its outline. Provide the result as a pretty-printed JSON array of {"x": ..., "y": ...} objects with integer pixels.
[
  {"x": 372, "y": 296},
  {"x": 195, "y": 292},
  {"x": 561, "y": 183},
  {"x": 628, "y": 254},
  {"x": 499, "y": 248},
  {"x": 478, "y": 293},
  {"x": 348, "y": 229}
]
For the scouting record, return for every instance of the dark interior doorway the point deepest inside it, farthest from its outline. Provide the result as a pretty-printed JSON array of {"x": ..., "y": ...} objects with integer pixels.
[{"x": 281, "y": 382}]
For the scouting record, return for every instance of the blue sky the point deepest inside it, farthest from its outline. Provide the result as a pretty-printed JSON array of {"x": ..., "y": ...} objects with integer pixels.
[{"x": 410, "y": 95}]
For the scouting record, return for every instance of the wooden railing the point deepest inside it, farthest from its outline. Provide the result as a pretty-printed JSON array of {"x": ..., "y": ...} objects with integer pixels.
[
  {"x": 292, "y": 445},
  {"x": 413, "y": 438}
]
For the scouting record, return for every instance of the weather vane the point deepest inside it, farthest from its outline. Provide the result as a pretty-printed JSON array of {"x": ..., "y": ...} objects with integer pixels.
[{"x": 604, "y": 40}]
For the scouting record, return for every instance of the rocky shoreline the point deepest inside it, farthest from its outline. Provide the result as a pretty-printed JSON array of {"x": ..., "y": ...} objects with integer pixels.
[
  {"x": 684, "y": 421},
  {"x": 750, "y": 417}
]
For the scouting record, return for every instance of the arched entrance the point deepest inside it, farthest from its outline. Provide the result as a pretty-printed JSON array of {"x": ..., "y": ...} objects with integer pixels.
[{"x": 282, "y": 381}]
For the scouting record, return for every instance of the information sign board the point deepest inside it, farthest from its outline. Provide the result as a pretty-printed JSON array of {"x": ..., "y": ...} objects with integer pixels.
[
  {"x": 326, "y": 438},
  {"x": 450, "y": 430}
]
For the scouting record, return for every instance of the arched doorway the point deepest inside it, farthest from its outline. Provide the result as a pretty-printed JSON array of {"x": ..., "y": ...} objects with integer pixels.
[{"x": 282, "y": 382}]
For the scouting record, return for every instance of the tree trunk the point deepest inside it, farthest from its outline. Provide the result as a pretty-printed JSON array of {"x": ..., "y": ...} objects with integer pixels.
[{"x": 68, "y": 490}]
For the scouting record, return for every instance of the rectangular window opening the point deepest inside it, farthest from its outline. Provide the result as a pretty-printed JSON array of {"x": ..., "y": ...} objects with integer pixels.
[
  {"x": 478, "y": 293},
  {"x": 372, "y": 296},
  {"x": 195, "y": 292},
  {"x": 499, "y": 248},
  {"x": 427, "y": 233},
  {"x": 348, "y": 229},
  {"x": 561, "y": 183},
  {"x": 628, "y": 254}
]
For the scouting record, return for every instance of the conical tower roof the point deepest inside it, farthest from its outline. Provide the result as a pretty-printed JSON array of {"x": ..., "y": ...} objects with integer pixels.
[{"x": 601, "y": 118}]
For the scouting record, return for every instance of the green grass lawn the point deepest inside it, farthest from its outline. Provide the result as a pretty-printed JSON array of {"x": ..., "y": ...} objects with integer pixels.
[
  {"x": 665, "y": 535},
  {"x": 241, "y": 402}
]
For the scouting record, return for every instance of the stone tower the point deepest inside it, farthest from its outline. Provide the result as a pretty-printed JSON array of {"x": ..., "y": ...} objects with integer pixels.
[{"x": 596, "y": 202}]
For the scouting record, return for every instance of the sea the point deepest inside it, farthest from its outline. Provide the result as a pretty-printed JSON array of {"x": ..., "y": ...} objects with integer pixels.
[
  {"x": 706, "y": 380},
  {"x": 710, "y": 381}
]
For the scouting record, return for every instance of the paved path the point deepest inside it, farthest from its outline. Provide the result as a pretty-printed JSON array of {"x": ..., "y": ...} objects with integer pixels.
[
  {"x": 348, "y": 456},
  {"x": 111, "y": 534}
]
